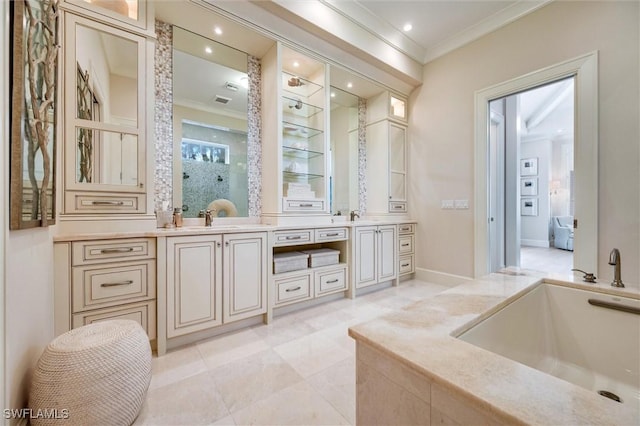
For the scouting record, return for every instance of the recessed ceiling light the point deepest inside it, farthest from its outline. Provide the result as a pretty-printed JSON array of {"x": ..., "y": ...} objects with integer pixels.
[
  {"x": 407, "y": 27},
  {"x": 217, "y": 30},
  {"x": 349, "y": 85},
  {"x": 208, "y": 50},
  {"x": 296, "y": 64},
  {"x": 333, "y": 94}
]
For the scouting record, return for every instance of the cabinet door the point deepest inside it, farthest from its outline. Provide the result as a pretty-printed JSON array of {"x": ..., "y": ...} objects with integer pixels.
[
  {"x": 387, "y": 253},
  {"x": 245, "y": 276},
  {"x": 194, "y": 284},
  {"x": 366, "y": 238},
  {"x": 397, "y": 163}
]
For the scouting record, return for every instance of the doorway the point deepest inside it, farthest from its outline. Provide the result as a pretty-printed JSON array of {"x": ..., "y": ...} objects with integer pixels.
[
  {"x": 531, "y": 197},
  {"x": 584, "y": 69}
]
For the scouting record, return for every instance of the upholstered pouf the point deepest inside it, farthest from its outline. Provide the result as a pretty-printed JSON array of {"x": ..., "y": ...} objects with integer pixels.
[{"x": 97, "y": 374}]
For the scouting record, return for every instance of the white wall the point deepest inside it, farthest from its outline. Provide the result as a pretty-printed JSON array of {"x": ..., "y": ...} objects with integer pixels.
[
  {"x": 442, "y": 126},
  {"x": 534, "y": 230},
  {"x": 27, "y": 300}
]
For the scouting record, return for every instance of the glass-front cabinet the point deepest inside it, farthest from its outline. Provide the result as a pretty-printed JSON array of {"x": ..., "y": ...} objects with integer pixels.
[
  {"x": 136, "y": 15},
  {"x": 297, "y": 139},
  {"x": 105, "y": 123}
]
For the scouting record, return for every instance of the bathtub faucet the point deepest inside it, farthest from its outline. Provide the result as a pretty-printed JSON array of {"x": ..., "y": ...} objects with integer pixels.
[{"x": 614, "y": 259}]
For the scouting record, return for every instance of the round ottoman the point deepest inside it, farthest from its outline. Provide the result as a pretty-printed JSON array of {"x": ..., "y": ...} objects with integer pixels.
[{"x": 97, "y": 374}]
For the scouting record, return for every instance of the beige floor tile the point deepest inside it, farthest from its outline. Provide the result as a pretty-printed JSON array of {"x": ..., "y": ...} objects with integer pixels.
[
  {"x": 337, "y": 385},
  {"x": 296, "y": 405},
  {"x": 311, "y": 354},
  {"x": 282, "y": 330},
  {"x": 251, "y": 379},
  {"x": 192, "y": 401},
  {"x": 231, "y": 347},
  {"x": 176, "y": 366}
]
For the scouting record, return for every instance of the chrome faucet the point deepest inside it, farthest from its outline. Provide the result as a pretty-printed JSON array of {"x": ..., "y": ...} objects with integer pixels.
[
  {"x": 353, "y": 215},
  {"x": 614, "y": 259}
]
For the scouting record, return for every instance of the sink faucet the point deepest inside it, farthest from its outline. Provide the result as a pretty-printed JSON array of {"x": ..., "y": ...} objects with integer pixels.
[
  {"x": 614, "y": 259},
  {"x": 353, "y": 215}
]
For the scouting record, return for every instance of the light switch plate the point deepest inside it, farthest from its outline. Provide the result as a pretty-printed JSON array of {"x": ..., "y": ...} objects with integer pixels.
[
  {"x": 447, "y": 204},
  {"x": 461, "y": 204}
]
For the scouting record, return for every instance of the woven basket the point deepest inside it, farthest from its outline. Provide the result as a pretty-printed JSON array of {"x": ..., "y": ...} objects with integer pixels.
[{"x": 97, "y": 374}]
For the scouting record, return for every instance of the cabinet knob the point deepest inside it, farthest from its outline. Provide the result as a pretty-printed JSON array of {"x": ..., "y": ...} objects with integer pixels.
[
  {"x": 219, "y": 245},
  {"x": 226, "y": 243}
]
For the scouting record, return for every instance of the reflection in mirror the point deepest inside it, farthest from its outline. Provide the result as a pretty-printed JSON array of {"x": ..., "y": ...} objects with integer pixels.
[
  {"x": 344, "y": 152},
  {"x": 209, "y": 125},
  {"x": 106, "y": 92},
  {"x": 128, "y": 8}
]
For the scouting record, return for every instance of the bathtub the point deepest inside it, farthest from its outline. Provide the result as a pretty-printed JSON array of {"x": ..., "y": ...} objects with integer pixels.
[{"x": 559, "y": 330}]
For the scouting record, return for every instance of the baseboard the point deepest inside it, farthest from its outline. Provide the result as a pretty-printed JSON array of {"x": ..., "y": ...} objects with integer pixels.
[
  {"x": 441, "y": 278},
  {"x": 535, "y": 243}
]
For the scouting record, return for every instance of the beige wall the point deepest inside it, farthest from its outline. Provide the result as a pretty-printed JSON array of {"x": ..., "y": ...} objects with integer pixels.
[
  {"x": 442, "y": 126},
  {"x": 29, "y": 307}
]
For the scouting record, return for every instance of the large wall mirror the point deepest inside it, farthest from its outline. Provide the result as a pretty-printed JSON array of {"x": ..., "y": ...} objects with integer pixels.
[{"x": 210, "y": 130}]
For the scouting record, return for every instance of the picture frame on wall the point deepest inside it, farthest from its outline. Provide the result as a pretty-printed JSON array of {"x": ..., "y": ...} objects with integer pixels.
[
  {"x": 529, "y": 186},
  {"x": 529, "y": 207},
  {"x": 529, "y": 167}
]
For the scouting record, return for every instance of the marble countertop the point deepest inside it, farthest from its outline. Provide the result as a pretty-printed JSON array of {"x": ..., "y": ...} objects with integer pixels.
[
  {"x": 421, "y": 336},
  {"x": 195, "y": 226}
]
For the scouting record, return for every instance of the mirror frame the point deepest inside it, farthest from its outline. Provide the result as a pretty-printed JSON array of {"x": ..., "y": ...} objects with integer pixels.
[{"x": 46, "y": 134}]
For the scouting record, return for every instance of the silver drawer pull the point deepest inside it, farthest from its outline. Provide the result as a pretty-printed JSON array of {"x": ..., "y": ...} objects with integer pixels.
[
  {"x": 405, "y": 264},
  {"x": 405, "y": 245},
  {"x": 334, "y": 234},
  {"x": 398, "y": 207},
  {"x": 108, "y": 203},
  {"x": 293, "y": 237},
  {"x": 127, "y": 282},
  {"x": 306, "y": 205},
  {"x": 293, "y": 289},
  {"x": 333, "y": 281},
  {"x": 117, "y": 250},
  {"x": 405, "y": 229}
]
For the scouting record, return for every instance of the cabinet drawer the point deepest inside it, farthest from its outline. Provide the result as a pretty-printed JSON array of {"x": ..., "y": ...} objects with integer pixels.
[
  {"x": 287, "y": 238},
  {"x": 293, "y": 289},
  {"x": 406, "y": 228},
  {"x": 89, "y": 252},
  {"x": 405, "y": 265},
  {"x": 397, "y": 206},
  {"x": 143, "y": 313},
  {"x": 405, "y": 243},
  {"x": 98, "y": 287},
  {"x": 330, "y": 281},
  {"x": 80, "y": 202},
  {"x": 290, "y": 204},
  {"x": 331, "y": 234}
]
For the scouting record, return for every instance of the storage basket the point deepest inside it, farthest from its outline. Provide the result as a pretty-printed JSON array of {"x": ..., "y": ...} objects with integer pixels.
[
  {"x": 323, "y": 257},
  {"x": 289, "y": 261}
]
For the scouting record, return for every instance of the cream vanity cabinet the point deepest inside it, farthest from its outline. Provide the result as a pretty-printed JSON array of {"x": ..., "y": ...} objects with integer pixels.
[
  {"x": 406, "y": 249},
  {"x": 97, "y": 280},
  {"x": 386, "y": 150},
  {"x": 213, "y": 280},
  {"x": 309, "y": 281},
  {"x": 375, "y": 255},
  {"x": 108, "y": 83},
  {"x": 295, "y": 123}
]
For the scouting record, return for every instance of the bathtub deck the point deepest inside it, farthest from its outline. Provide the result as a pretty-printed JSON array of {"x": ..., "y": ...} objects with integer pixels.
[{"x": 438, "y": 376}]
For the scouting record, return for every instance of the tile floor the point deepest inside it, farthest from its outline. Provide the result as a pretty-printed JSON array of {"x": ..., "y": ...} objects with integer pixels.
[
  {"x": 298, "y": 370},
  {"x": 548, "y": 259}
]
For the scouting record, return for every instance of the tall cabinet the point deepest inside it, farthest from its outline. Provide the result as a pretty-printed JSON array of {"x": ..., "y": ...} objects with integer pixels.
[
  {"x": 107, "y": 120},
  {"x": 386, "y": 150},
  {"x": 295, "y": 143}
]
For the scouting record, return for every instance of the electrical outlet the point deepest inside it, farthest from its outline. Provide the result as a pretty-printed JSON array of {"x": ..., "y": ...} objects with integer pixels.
[
  {"x": 447, "y": 204},
  {"x": 461, "y": 204}
]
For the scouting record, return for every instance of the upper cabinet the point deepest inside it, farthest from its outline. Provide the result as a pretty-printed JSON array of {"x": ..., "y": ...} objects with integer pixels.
[
  {"x": 295, "y": 120},
  {"x": 105, "y": 118},
  {"x": 133, "y": 15},
  {"x": 386, "y": 150}
]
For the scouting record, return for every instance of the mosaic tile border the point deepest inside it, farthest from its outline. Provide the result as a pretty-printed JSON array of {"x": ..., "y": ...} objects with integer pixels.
[
  {"x": 362, "y": 155},
  {"x": 163, "y": 115}
]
